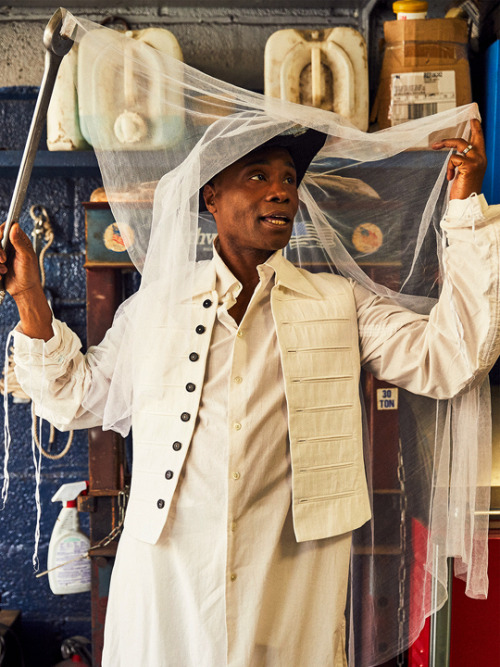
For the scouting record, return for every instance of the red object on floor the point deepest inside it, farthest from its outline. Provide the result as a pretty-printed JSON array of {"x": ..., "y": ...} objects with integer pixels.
[
  {"x": 475, "y": 624},
  {"x": 418, "y": 653}
]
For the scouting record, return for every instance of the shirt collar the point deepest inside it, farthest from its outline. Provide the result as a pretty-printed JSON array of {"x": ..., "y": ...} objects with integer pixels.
[
  {"x": 226, "y": 282},
  {"x": 289, "y": 276},
  {"x": 215, "y": 274}
]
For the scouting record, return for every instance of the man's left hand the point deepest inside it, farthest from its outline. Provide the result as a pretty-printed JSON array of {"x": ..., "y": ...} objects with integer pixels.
[{"x": 467, "y": 165}]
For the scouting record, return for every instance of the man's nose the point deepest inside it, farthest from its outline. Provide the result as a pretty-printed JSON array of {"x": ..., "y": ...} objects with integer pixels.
[{"x": 277, "y": 191}]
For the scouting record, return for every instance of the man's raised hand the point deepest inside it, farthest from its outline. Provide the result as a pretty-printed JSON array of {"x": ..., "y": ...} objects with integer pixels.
[{"x": 467, "y": 165}]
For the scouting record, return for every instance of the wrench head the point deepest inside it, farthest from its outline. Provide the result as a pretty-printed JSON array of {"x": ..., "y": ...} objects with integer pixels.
[{"x": 52, "y": 38}]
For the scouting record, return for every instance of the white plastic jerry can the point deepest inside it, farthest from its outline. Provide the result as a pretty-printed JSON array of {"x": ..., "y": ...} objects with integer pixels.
[
  {"x": 327, "y": 69},
  {"x": 63, "y": 125},
  {"x": 124, "y": 89}
]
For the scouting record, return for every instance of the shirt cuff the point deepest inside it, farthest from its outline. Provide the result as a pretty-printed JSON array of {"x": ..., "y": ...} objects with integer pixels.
[
  {"x": 58, "y": 349},
  {"x": 465, "y": 212}
]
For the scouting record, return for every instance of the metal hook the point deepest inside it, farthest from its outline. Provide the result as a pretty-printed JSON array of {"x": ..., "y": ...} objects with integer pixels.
[{"x": 41, "y": 227}]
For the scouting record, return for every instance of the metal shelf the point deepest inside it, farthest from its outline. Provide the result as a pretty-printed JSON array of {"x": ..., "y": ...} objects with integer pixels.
[{"x": 52, "y": 164}]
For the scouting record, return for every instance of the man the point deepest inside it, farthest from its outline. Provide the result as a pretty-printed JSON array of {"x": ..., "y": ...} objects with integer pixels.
[{"x": 248, "y": 473}]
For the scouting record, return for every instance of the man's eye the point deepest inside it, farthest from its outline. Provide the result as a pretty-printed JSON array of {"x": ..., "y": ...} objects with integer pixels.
[
  {"x": 290, "y": 180},
  {"x": 257, "y": 177}
]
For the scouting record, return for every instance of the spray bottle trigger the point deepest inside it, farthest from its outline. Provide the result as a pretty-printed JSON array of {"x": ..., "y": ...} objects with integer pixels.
[{"x": 69, "y": 491}]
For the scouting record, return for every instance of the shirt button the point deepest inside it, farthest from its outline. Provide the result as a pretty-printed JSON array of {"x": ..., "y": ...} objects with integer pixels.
[
  {"x": 176, "y": 446},
  {"x": 194, "y": 356},
  {"x": 237, "y": 426},
  {"x": 234, "y": 576},
  {"x": 185, "y": 416},
  {"x": 160, "y": 504},
  {"x": 240, "y": 333},
  {"x": 200, "y": 329},
  {"x": 169, "y": 474},
  {"x": 238, "y": 379},
  {"x": 233, "y": 526},
  {"x": 236, "y": 475},
  {"x": 190, "y": 387},
  {"x": 207, "y": 303}
]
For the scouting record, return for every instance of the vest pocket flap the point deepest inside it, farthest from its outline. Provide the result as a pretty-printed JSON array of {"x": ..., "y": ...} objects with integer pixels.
[
  {"x": 324, "y": 453},
  {"x": 325, "y": 481}
]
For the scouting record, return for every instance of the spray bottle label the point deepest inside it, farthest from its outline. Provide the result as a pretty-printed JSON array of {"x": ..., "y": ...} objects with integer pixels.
[{"x": 77, "y": 572}]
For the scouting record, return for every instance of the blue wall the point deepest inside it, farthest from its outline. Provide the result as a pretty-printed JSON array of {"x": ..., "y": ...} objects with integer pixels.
[{"x": 46, "y": 618}]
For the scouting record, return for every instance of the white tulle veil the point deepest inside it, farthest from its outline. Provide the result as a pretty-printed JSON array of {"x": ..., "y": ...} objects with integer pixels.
[{"x": 370, "y": 209}]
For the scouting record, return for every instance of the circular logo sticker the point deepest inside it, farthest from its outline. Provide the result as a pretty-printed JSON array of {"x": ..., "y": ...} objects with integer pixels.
[
  {"x": 367, "y": 238},
  {"x": 117, "y": 241}
]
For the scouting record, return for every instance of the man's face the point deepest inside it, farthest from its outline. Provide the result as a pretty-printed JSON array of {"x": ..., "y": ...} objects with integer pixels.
[{"x": 254, "y": 202}]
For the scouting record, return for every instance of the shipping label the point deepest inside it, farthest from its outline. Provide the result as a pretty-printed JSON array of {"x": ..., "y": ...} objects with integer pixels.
[{"x": 419, "y": 94}]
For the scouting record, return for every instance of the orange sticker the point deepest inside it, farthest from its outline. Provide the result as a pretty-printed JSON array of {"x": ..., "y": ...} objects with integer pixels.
[
  {"x": 116, "y": 240},
  {"x": 367, "y": 238}
]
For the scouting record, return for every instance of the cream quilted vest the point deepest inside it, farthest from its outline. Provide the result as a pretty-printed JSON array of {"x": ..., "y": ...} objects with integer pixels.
[{"x": 317, "y": 332}]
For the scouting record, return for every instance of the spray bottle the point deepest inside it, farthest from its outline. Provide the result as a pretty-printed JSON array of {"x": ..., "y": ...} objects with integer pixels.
[{"x": 67, "y": 543}]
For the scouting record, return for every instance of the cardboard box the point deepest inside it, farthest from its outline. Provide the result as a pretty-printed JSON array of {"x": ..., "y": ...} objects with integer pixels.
[{"x": 424, "y": 70}]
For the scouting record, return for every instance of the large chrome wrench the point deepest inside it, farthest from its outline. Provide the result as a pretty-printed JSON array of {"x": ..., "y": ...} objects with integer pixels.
[{"x": 57, "y": 46}]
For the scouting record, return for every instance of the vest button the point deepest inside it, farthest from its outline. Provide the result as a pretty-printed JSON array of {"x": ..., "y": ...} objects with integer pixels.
[
  {"x": 207, "y": 303},
  {"x": 169, "y": 474},
  {"x": 200, "y": 329},
  {"x": 194, "y": 356},
  {"x": 185, "y": 416},
  {"x": 176, "y": 446},
  {"x": 190, "y": 387},
  {"x": 160, "y": 504}
]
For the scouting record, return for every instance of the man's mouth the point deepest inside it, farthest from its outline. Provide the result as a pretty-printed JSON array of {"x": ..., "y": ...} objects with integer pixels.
[{"x": 278, "y": 220}]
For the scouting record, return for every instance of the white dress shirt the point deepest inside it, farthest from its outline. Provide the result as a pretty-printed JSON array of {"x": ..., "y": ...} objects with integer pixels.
[{"x": 227, "y": 583}]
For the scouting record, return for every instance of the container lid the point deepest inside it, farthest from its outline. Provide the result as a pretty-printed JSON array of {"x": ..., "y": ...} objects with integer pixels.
[{"x": 412, "y": 6}]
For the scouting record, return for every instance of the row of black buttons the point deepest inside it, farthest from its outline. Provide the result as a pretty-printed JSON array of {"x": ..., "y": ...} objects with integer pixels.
[
  {"x": 169, "y": 474},
  {"x": 185, "y": 416},
  {"x": 194, "y": 356}
]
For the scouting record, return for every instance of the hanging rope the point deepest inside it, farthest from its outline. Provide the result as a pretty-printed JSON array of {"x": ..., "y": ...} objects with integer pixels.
[
  {"x": 52, "y": 457},
  {"x": 43, "y": 237}
]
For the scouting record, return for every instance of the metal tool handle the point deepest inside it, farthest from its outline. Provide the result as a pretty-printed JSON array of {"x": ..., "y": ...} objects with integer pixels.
[{"x": 57, "y": 46}]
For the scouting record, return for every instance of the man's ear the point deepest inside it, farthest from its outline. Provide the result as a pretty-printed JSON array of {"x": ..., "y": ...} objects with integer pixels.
[{"x": 209, "y": 197}]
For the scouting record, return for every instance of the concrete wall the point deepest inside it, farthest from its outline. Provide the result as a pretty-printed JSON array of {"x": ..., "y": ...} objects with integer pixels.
[{"x": 212, "y": 40}]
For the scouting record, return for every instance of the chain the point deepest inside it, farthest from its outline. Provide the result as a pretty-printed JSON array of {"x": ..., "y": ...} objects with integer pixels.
[
  {"x": 112, "y": 535},
  {"x": 402, "y": 564}
]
